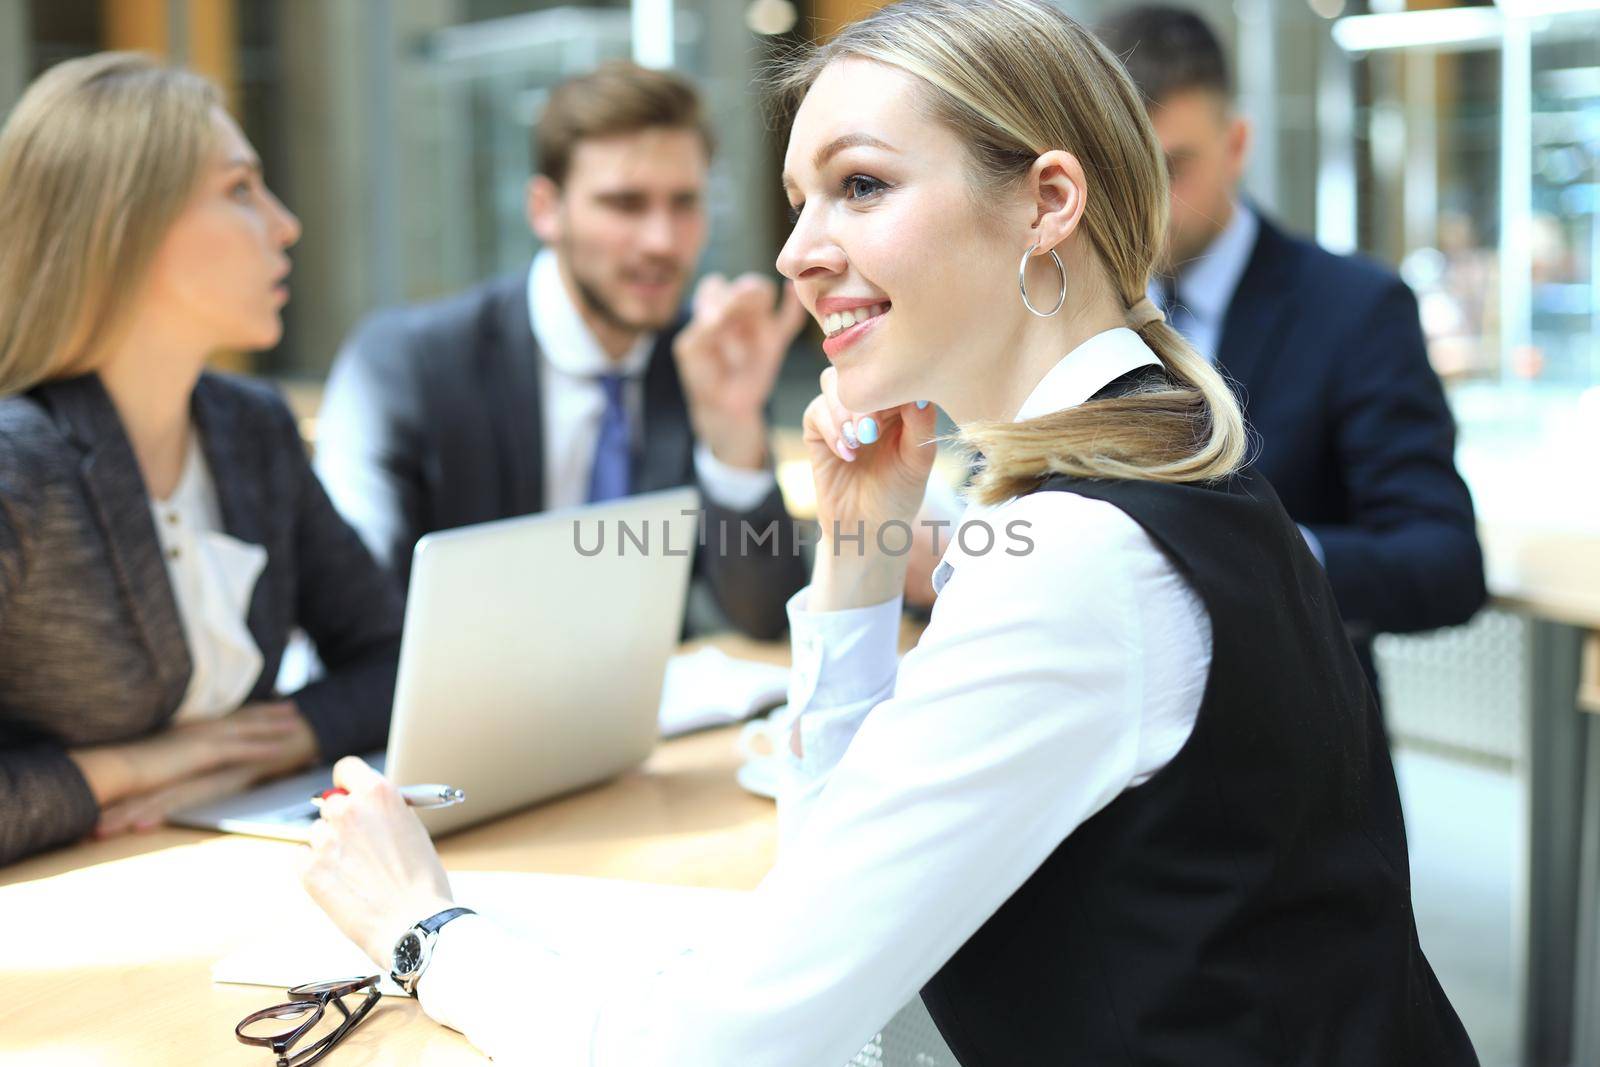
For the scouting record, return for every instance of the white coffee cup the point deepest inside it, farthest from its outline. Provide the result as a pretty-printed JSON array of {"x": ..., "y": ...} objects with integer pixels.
[{"x": 764, "y": 744}]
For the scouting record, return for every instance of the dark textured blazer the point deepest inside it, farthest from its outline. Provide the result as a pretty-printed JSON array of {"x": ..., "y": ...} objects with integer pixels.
[
  {"x": 1355, "y": 434},
  {"x": 92, "y": 648},
  {"x": 432, "y": 420}
]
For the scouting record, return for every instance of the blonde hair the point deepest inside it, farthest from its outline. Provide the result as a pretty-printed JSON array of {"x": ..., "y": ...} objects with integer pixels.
[
  {"x": 96, "y": 162},
  {"x": 1015, "y": 79}
]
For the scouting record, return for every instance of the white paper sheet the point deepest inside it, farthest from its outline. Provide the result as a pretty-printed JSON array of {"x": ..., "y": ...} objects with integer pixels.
[
  {"x": 596, "y": 918},
  {"x": 708, "y": 687}
]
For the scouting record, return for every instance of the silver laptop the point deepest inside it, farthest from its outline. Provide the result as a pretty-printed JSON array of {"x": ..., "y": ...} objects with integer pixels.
[{"x": 530, "y": 666}]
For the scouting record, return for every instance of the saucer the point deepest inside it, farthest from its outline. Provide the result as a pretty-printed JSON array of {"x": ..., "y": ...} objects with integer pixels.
[{"x": 762, "y": 777}]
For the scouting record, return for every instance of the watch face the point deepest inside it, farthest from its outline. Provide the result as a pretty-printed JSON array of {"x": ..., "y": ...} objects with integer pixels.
[{"x": 407, "y": 954}]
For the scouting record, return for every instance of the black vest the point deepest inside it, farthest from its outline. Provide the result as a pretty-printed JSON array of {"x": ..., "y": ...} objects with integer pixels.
[{"x": 1251, "y": 903}]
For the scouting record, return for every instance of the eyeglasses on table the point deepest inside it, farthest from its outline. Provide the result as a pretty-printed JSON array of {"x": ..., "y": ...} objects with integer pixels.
[{"x": 284, "y": 1028}]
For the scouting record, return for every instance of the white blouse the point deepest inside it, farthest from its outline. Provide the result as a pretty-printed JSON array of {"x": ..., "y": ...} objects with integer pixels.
[
  {"x": 213, "y": 578},
  {"x": 1049, "y": 680}
]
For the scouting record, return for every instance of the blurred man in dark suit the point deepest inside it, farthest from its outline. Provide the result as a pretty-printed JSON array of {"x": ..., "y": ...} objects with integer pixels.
[
  {"x": 579, "y": 379},
  {"x": 1326, "y": 350}
]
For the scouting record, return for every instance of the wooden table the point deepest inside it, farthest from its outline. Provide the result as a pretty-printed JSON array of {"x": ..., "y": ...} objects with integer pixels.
[
  {"x": 109, "y": 957},
  {"x": 108, "y": 952}
]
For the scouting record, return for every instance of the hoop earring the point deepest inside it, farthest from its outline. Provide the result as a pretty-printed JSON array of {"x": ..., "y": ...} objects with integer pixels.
[{"x": 1022, "y": 283}]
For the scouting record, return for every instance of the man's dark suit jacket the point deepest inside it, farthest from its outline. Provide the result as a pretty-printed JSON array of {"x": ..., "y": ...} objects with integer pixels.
[
  {"x": 432, "y": 420},
  {"x": 1355, "y": 435},
  {"x": 93, "y": 645}
]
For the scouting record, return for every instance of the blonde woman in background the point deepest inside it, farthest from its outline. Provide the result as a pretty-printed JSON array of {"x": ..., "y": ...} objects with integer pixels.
[
  {"x": 1128, "y": 800},
  {"x": 161, "y": 532}
]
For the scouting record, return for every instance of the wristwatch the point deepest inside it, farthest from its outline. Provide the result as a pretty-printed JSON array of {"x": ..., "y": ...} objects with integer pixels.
[{"x": 415, "y": 948}]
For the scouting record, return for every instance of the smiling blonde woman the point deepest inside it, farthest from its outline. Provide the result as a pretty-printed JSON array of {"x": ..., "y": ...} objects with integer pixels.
[{"x": 1128, "y": 800}]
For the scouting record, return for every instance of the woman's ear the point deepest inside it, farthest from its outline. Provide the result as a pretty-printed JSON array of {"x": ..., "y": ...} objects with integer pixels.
[{"x": 1060, "y": 194}]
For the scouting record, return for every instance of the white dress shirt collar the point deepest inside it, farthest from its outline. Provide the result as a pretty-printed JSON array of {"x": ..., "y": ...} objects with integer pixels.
[
  {"x": 572, "y": 403},
  {"x": 1086, "y": 370},
  {"x": 1206, "y": 283},
  {"x": 1080, "y": 374},
  {"x": 564, "y": 338}
]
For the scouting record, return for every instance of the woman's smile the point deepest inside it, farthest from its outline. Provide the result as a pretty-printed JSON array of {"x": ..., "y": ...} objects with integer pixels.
[{"x": 844, "y": 324}]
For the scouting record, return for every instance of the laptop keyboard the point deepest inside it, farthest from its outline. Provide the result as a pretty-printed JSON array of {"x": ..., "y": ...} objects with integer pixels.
[{"x": 301, "y": 812}]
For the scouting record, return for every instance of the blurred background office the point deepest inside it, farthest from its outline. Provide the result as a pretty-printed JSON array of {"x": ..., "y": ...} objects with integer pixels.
[{"x": 1459, "y": 143}]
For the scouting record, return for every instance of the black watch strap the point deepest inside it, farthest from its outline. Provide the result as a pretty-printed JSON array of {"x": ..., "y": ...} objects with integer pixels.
[{"x": 433, "y": 922}]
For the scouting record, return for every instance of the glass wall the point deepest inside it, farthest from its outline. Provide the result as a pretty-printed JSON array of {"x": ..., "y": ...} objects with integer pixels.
[
  {"x": 1564, "y": 224},
  {"x": 1427, "y": 142},
  {"x": 1474, "y": 144}
]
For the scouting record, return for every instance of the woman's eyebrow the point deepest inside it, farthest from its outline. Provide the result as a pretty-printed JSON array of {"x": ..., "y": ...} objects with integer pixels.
[
  {"x": 849, "y": 140},
  {"x": 837, "y": 145}
]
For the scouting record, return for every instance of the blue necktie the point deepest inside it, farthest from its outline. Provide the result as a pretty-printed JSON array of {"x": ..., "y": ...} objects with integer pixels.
[{"x": 608, "y": 478}]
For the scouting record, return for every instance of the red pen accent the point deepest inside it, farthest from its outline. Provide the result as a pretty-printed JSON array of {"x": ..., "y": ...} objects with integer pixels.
[{"x": 416, "y": 796}]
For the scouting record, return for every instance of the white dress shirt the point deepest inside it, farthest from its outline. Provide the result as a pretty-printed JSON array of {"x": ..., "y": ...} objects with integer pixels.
[
  {"x": 1045, "y": 684},
  {"x": 572, "y": 401},
  {"x": 213, "y": 578}
]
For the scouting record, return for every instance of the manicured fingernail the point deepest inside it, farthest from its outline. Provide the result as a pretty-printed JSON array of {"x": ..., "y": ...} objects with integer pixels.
[
  {"x": 921, "y": 404},
  {"x": 867, "y": 430},
  {"x": 849, "y": 432}
]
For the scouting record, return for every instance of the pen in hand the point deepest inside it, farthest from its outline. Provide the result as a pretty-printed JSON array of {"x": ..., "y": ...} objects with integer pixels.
[{"x": 416, "y": 796}]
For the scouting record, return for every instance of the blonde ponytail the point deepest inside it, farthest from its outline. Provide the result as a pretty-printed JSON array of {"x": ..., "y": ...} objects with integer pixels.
[{"x": 1190, "y": 430}]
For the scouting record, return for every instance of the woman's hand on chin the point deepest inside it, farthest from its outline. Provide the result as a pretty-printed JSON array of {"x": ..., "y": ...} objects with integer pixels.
[
  {"x": 870, "y": 469},
  {"x": 373, "y": 868}
]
